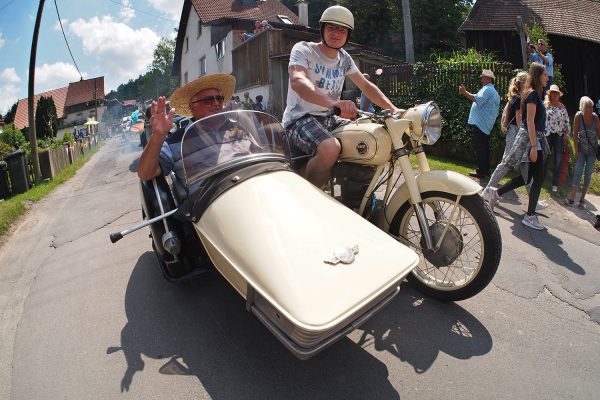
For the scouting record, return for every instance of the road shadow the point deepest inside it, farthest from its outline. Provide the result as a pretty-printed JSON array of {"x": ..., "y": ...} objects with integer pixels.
[
  {"x": 416, "y": 328},
  {"x": 202, "y": 329},
  {"x": 549, "y": 244}
]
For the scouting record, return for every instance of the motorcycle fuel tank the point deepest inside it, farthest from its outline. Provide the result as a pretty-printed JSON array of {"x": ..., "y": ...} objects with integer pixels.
[
  {"x": 307, "y": 266},
  {"x": 364, "y": 143}
]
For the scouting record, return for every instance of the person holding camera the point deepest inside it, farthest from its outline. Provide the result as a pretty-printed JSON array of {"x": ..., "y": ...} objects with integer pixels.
[{"x": 540, "y": 54}]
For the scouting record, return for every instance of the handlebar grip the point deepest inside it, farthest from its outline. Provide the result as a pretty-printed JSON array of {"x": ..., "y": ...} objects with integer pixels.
[{"x": 115, "y": 237}]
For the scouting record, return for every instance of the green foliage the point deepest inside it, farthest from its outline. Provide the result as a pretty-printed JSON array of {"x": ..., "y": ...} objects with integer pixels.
[
  {"x": 68, "y": 138},
  {"x": 46, "y": 120},
  {"x": 13, "y": 136},
  {"x": 49, "y": 143},
  {"x": 439, "y": 81},
  {"x": 5, "y": 149},
  {"x": 463, "y": 55},
  {"x": 315, "y": 9}
]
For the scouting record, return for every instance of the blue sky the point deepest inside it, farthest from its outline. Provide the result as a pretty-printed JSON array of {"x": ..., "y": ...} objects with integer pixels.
[{"x": 110, "y": 38}]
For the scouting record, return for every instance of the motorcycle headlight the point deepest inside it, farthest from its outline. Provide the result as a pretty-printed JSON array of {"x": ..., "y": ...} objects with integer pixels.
[{"x": 427, "y": 122}]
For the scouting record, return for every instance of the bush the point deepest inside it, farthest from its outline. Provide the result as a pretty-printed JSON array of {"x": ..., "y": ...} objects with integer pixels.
[
  {"x": 13, "y": 136},
  {"x": 5, "y": 149},
  {"x": 68, "y": 138}
]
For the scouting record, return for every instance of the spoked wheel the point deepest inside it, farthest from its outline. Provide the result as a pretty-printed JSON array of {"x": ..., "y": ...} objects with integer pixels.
[{"x": 469, "y": 253}]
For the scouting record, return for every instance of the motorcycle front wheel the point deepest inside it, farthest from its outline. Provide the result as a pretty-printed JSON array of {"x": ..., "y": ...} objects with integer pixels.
[{"x": 469, "y": 253}]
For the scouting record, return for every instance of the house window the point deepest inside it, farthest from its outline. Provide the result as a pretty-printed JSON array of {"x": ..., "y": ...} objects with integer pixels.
[
  {"x": 199, "y": 29},
  {"x": 187, "y": 45},
  {"x": 220, "y": 48},
  {"x": 284, "y": 19},
  {"x": 185, "y": 78},
  {"x": 202, "y": 63}
]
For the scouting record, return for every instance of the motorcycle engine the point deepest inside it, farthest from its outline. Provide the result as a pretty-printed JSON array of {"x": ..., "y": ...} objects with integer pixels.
[{"x": 354, "y": 179}]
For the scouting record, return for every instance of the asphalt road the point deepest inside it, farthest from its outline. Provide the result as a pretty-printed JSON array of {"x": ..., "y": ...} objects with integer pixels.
[{"x": 85, "y": 319}]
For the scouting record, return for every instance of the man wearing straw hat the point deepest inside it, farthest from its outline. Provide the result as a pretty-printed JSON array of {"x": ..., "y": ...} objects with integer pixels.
[
  {"x": 482, "y": 117},
  {"x": 200, "y": 98}
]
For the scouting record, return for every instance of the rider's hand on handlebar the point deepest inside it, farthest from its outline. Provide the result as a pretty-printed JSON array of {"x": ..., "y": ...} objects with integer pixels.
[
  {"x": 347, "y": 108},
  {"x": 161, "y": 121}
]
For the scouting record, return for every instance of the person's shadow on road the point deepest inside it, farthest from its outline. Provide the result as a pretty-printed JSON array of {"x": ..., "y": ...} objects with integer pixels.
[{"x": 203, "y": 329}]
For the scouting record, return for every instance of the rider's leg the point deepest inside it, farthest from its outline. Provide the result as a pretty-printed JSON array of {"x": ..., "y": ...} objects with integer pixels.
[{"x": 319, "y": 167}]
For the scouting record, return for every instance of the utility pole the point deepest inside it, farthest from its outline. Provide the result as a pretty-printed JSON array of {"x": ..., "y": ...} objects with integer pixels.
[
  {"x": 408, "y": 35},
  {"x": 31, "y": 95}
]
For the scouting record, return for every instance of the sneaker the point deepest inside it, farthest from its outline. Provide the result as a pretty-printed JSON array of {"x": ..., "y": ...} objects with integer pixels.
[
  {"x": 493, "y": 198},
  {"x": 554, "y": 189},
  {"x": 532, "y": 222},
  {"x": 541, "y": 205}
]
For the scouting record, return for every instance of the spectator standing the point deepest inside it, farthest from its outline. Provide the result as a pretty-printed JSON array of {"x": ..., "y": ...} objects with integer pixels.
[
  {"x": 265, "y": 26},
  {"x": 257, "y": 26},
  {"x": 365, "y": 103},
  {"x": 557, "y": 131},
  {"x": 530, "y": 146},
  {"x": 513, "y": 122},
  {"x": 482, "y": 117},
  {"x": 540, "y": 54},
  {"x": 247, "y": 104},
  {"x": 586, "y": 132},
  {"x": 260, "y": 105}
]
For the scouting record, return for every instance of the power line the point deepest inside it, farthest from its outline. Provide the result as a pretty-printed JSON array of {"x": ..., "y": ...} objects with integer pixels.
[
  {"x": 6, "y": 5},
  {"x": 138, "y": 10},
  {"x": 66, "y": 41}
]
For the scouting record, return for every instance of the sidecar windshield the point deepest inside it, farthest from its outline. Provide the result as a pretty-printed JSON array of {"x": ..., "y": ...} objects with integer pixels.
[{"x": 218, "y": 142}]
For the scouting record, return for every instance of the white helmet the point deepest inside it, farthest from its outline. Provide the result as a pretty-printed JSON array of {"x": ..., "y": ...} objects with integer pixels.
[{"x": 338, "y": 15}]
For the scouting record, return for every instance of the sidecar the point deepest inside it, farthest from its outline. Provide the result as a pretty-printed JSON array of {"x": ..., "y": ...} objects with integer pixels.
[{"x": 310, "y": 269}]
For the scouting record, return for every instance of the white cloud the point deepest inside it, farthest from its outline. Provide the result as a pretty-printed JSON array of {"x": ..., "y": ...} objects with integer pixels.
[
  {"x": 172, "y": 8},
  {"x": 54, "y": 76},
  {"x": 127, "y": 13},
  {"x": 9, "y": 75},
  {"x": 10, "y": 91},
  {"x": 2, "y": 41},
  {"x": 56, "y": 26},
  {"x": 121, "y": 52}
]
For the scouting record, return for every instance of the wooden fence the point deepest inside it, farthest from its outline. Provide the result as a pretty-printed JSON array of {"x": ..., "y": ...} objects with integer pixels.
[{"x": 253, "y": 55}]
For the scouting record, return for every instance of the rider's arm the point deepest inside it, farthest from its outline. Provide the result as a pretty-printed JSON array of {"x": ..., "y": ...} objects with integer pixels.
[
  {"x": 161, "y": 122},
  {"x": 300, "y": 84},
  {"x": 372, "y": 92}
]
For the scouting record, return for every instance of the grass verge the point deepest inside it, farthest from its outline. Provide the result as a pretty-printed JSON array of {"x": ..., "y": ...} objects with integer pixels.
[
  {"x": 13, "y": 207},
  {"x": 466, "y": 167}
]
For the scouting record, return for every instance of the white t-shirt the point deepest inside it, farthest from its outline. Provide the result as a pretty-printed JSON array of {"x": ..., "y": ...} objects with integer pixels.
[{"x": 327, "y": 74}]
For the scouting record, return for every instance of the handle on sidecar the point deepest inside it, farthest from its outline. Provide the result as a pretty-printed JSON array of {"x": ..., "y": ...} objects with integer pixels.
[{"x": 115, "y": 237}]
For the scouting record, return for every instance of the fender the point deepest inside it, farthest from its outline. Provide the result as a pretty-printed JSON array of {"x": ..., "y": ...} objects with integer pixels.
[{"x": 439, "y": 181}]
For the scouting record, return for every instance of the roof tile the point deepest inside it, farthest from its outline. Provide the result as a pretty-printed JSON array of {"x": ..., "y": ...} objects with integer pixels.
[
  {"x": 58, "y": 95},
  {"x": 83, "y": 91},
  {"x": 572, "y": 18},
  {"x": 212, "y": 10}
]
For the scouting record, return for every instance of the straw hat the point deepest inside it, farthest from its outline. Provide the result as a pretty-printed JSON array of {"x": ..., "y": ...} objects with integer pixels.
[
  {"x": 180, "y": 99},
  {"x": 555, "y": 88},
  {"x": 488, "y": 73}
]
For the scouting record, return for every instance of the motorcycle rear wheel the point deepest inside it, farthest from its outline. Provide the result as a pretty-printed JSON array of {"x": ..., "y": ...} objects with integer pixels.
[{"x": 470, "y": 252}]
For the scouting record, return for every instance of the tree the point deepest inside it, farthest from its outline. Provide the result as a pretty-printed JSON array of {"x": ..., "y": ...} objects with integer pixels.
[
  {"x": 10, "y": 115},
  {"x": 315, "y": 9},
  {"x": 12, "y": 136},
  {"x": 46, "y": 120}
]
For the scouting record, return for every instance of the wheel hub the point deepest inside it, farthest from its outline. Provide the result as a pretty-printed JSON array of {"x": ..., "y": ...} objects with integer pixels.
[{"x": 450, "y": 248}]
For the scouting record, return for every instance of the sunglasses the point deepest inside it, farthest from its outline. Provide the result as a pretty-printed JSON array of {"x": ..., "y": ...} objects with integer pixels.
[{"x": 208, "y": 100}]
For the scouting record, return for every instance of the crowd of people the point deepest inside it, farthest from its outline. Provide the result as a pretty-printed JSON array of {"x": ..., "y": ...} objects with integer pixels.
[
  {"x": 259, "y": 26},
  {"x": 537, "y": 129}
]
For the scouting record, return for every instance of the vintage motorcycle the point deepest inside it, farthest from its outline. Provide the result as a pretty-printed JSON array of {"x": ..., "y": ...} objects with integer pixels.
[{"x": 310, "y": 267}]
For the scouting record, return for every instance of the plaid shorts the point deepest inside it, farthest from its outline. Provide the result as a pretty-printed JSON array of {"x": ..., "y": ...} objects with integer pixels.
[{"x": 307, "y": 132}]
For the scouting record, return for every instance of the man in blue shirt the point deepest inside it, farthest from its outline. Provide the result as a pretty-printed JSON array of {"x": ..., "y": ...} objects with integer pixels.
[
  {"x": 482, "y": 118},
  {"x": 540, "y": 54}
]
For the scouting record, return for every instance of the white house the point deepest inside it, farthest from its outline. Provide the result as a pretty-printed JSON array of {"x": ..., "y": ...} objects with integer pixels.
[{"x": 209, "y": 30}]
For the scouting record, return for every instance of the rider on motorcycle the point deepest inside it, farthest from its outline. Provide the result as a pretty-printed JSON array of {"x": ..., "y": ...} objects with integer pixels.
[
  {"x": 200, "y": 98},
  {"x": 317, "y": 72}
]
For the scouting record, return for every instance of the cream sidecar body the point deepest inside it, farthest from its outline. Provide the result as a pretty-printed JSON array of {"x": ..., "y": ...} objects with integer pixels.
[{"x": 309, "y": 268}]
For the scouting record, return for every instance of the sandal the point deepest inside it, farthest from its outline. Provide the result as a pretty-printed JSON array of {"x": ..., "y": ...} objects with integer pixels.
[{"x": 568, "y": 202}]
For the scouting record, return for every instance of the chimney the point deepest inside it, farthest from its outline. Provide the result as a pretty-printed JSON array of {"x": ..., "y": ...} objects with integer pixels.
[{"x": 303, "y": 12}]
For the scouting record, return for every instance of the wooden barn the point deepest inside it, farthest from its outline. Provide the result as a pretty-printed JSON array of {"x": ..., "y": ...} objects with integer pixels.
[{"x": 573, "y": 31}]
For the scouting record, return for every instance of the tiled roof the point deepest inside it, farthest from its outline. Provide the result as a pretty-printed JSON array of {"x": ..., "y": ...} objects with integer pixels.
[
  {"x": 83, "y": 91},
  {"x": 212, "y": 10},
  {"x": 58, "y": 95},
  {"x": 572, "y": 18}
]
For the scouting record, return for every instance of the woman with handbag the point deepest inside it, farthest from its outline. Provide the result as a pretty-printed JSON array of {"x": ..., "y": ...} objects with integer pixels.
[
  {"x": 557, "y": 131},
  {"x": 586, "y": 132}
]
